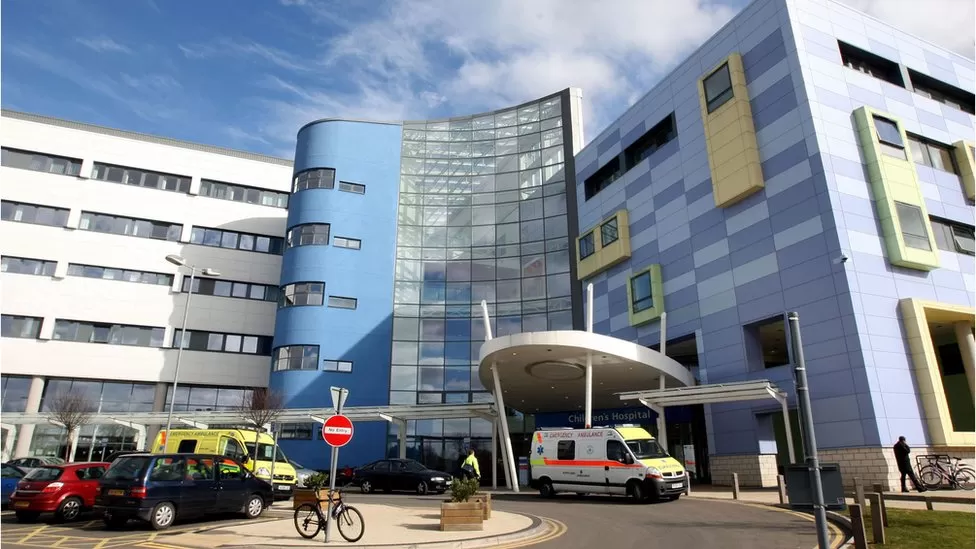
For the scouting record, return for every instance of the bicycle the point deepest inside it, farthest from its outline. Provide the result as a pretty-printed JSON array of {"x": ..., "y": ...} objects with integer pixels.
[
  {"x": 345, "y": 516},
  {"x": 935, "y": 473}
]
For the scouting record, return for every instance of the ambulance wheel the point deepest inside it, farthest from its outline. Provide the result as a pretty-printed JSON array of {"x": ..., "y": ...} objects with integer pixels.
[
  {"x": 546, "y": 490},
  {"x": 636, "y": 492}
]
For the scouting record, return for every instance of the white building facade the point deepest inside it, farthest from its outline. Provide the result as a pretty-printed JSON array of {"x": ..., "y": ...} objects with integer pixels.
[{"x": 91, "y": 306}]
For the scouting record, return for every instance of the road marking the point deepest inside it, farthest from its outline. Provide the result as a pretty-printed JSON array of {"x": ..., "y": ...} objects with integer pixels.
[
  {"x": 556, "y": 529},
  {"x": 32, "y": 534},
  {"x": 837, "y": 539}
]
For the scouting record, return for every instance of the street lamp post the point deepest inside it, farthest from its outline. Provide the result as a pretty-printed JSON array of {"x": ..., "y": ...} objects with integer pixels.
[{"x": 180, "y": 262}]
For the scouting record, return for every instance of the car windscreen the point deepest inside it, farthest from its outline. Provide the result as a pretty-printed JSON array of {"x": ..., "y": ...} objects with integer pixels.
[
  {"x": 646, "y": 449},
  {"x": 45, "y": 474},
  {"x": 412, "y": 466},
  {"x": 127, "y": 468},
  {"x": 264, "y": 453}
]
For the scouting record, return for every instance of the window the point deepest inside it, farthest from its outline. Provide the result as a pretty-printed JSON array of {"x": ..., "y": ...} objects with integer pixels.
[
  {"x": 27, "y": 327},
  {"x": 112, "y": 334},
  {"x": 889, "y": 137},
  {"x": 309, "y": 234},
  {"x": 296, "y": 357},
  {"x": 608, "y": 232},
  {"x": 230, "y": 288},
  {"x": 586, "y": 247},
  {"x": 39, "y": 162},
  {"x": 199, "y": 468},
  {"x": 343, "y": 366},
  {"x": 718, "y": 88},
  {"x": 616, "y": 451},
  {"x": 242, "y": 193},
  {"x": 953, "y": 237},
  {"x": 230, "y": 469},
  {"x": 342, "y": 302},
  {"x": 868, "y": 63},
  {"x": 602, "y": 178},
  {"x": 352, "y": 187},
  {"x": 141, "y": 178},
  {"x": 34, "y": 214},
  {"x": 766, "y": 343},
  {"x": 566, "y": 450},
  {"x": 321, "y": 178},
  {"x": 235, "y": 240},
  {"x": 946, "y": 94},
  {"x": 302, "y": 293},
  {"x": 343, "y": 242},
  {"x": 296, "y": 431},
  {"x": 197, "y": 340},
  {"x": 932, "y": 154},
  {"x": 912, "y": 224},
  {"x": 652, "y": 140},
  {"x": 642, "y": 297},
  {"x": 26, "y": 265},
  {"x": 129, "y": 226},
  {"x": 169, "y": 469},
  {"x": 125, "y": 275}
]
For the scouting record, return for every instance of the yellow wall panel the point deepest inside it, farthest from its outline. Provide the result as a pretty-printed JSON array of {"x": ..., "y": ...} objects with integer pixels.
[
  {"x": 607, "y": 256},
  {"x": 967, "y": 167}
]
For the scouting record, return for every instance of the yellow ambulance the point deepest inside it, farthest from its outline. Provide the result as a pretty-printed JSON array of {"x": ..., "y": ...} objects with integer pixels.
[
  {"x": 620, "y": 460},
  {"x": 251, "y": 448}
]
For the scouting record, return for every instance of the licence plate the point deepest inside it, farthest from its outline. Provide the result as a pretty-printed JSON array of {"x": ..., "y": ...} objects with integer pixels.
[
  {"x": 676, "y": 485},
  {"x": 284, "y": 487},
  {"x": 21, "y": 504},
  {"x": 116, "y": 492}
]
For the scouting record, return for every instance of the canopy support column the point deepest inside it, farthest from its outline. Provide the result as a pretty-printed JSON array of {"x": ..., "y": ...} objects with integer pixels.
[
  {"x": 139, "y": 429},
  {"x": 781, "y": 397},
  {"x": 494, "y": 452},
  {"x": 588, "y": 397},
  {"x": 8, "y": 440},
  {"x": 510, "y": 470}
]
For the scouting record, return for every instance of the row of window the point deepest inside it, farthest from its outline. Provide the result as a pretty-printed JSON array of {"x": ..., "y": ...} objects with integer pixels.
[
  {"x": 884, "y": 69},
  {"x": 923, "y": 150},
  {"x": 609, "y": 233},
  {"x": 48, "y": 163},
  {"x": 312, "y": 293},
  {"x": 652, "y": 140},
  {"x": 236, "y": 240},
  {"x": 324, "y": 178},
  {"x": 317, "y": 234},
  {"x": 198, "y": 340},
  {"x": 306, "y": 357},
  {"x": 229, "y": 288}
]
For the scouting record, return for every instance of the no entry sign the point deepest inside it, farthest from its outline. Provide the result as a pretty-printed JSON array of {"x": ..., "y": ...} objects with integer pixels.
[{"x": 337, "y": 431}]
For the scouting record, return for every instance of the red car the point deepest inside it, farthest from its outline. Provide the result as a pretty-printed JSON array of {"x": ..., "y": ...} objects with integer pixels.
[{"x": 65, "y": 490}]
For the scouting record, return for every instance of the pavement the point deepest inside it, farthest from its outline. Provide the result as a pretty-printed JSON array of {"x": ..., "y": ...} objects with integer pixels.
[{"x": 892, "y": 499}]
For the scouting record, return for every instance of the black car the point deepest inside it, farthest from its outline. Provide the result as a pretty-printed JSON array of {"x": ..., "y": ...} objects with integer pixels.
[
  {"x": 400, "y": 475},
  {"x": 159, "y": 488}
]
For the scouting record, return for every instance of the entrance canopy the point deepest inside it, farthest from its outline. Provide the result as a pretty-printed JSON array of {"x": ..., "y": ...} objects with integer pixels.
[{"x": 545, "y": 371}]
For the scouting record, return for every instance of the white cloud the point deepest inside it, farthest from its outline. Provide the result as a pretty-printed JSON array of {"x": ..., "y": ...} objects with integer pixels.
[
  {"x": 103, "y": 44},
  {"x": 228, "y": 47},
  {"x": 950, "y": 24}
]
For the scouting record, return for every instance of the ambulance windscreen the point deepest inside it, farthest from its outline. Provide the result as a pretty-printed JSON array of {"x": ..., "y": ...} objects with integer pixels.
[{"x": 646, "y": 449}]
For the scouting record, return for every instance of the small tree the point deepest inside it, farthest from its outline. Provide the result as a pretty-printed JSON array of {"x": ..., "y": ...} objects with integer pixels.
[
  {"x": 72, "y": 410},
  {"x": 261, "y": 407}
]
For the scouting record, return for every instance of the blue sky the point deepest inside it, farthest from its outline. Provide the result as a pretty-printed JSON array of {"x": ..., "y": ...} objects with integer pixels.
[{"x": 248, "y": 73}]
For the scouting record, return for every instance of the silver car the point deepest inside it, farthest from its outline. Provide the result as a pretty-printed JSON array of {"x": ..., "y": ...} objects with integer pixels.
[{"x": 301, "y": 473}]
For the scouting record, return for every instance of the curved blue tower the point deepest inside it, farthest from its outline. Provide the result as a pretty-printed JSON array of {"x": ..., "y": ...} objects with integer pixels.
[{"x": 334, "y": 319}]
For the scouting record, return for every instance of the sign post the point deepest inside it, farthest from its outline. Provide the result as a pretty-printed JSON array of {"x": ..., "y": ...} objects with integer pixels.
[{"x": 337, "y": 432}]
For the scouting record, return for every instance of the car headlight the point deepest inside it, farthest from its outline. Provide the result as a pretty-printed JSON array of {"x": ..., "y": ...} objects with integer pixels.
[
  {"x": 262, "y": 472},
  {"x": 654, "y": 472},
  {"x": 437, "y": 479}
]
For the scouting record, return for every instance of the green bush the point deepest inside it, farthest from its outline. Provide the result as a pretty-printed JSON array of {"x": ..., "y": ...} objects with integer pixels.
[
  {"x": 317, "y": 480},
  {"x": 462, "y": 490}
]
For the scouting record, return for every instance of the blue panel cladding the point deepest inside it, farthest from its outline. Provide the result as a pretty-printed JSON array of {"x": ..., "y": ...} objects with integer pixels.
[{"x": 367, "y": 154}]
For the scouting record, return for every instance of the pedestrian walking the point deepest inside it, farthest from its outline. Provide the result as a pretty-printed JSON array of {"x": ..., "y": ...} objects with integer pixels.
[
  {"x": 904, "y": 461},
  {"x": 470, "y": 468}
]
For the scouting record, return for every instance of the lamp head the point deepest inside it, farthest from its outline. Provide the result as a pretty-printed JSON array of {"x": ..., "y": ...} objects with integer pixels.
[
  {"x": 176, "y": 260},
  {"x": 211, "y": 272}
]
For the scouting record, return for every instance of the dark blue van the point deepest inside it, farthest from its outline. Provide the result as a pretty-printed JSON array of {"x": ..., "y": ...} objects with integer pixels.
[{"x": 159, "y": 488}]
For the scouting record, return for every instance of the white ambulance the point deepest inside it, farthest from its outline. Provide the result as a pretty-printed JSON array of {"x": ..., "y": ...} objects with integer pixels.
[{"x": 621, "y": 460}]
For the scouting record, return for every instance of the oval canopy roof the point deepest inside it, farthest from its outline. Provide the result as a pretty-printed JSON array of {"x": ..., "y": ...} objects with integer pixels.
[{"x": 545, "y": 371}]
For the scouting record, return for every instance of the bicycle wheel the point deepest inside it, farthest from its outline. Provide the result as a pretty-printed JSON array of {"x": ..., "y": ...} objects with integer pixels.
[
  {"x": 965, "y": 478},
  {"x": 307, "y": 521},
  {"x": 351, "y": 524},
  {"x": 930, "y": 476}
]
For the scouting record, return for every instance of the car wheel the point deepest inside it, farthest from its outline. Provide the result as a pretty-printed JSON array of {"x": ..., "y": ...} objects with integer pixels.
[
  {"x": 636, "y": 492},
  {"x": 422, "y": 488},
  {"x": 162, "y": 516},
  {"x": 546, "y": 490},
  {"x": 254, "y": 506},
  {"x": 366, "y": 486},
  {"x": 69, "y": 509},
  {"x": 27, "y": 516}
]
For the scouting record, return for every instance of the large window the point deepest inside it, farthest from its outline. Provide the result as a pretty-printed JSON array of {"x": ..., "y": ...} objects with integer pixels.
[
  {"x": 198, "y": 340},
  {"x": 889, "y": 137},
  {"x": 236, "y": 240},
  {"x": 13, "y": 393},
  {"x": 655, "y": 138},
  {"x": 608, "y": 232},
  {"x": 28, "y": 266},
  {"x": 229, "y": 288},
  {"x": 342, "y": 366},
  {"x": 242, "y": 193},
  {"x": 125, "y": 275},
  {"x": 28, "y": 327},
  {"x": 201, "y": 398},
  {"x": 34, "y": 214},
  {"x": 868, "y": 63},
  {"x": 102, "y": 332},
  {"x": 766, "y": 343},
  {"x": 309, "y": 234},
  {"x": 912, "y": 224},
  {"x": 718, "y": 88},
  {"x": 938, "y": 90},
  {"x": 302, "y": 293},
  {"x": 129, "y": 226},
  {"x": 296, "y": 357},
  {"x": 352, "y": 187},
  {"x": 586, "y": 246},
  {"x": 932, "y": 154},
  {"x": 953, "y": 237},
  {"x": 345, "y": 242},
  {"x": 296, "y": 431},
  {"x": 40, "y": 162},
  {"x": 602, "y": 178},
  {"x": 141, "y": 178},
  {"x": 642, "y": 297},
  {"x": 320, "y": 178},
  {"x": 108, "y": 396},
  {"x": 342, "y": 302}
]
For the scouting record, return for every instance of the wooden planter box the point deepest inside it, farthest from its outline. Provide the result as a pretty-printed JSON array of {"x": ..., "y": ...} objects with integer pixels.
[
  {"x": 465, "y": 516},
  {"x": 485, "y": 500},
  {"x": 308, "y": 495}
]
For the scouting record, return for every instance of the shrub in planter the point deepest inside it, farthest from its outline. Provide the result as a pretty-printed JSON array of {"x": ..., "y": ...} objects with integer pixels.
[
  {"x": 315, "y": 487},
  {"x": 461, "y": 513}
]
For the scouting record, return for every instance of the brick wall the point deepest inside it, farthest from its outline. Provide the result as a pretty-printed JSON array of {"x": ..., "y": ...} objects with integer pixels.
[{"x": 755, "y": 471}]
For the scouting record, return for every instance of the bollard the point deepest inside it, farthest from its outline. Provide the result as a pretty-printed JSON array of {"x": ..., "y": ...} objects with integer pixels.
[
  {"x": 877, "y": 522},
  {"x": 884, "y": 505},
  {"x": 735, "y": 485},
  {"x": 858, "y": 492},
  {"x": 688, "y": 484},
  {"x": 781, "y": 484},
  {"x": 857, "y": 525},
  {"x": 928, "y": 504}
]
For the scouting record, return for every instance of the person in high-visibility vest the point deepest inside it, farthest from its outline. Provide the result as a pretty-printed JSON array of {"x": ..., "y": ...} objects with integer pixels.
[{"x": 470, "y": 468}]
